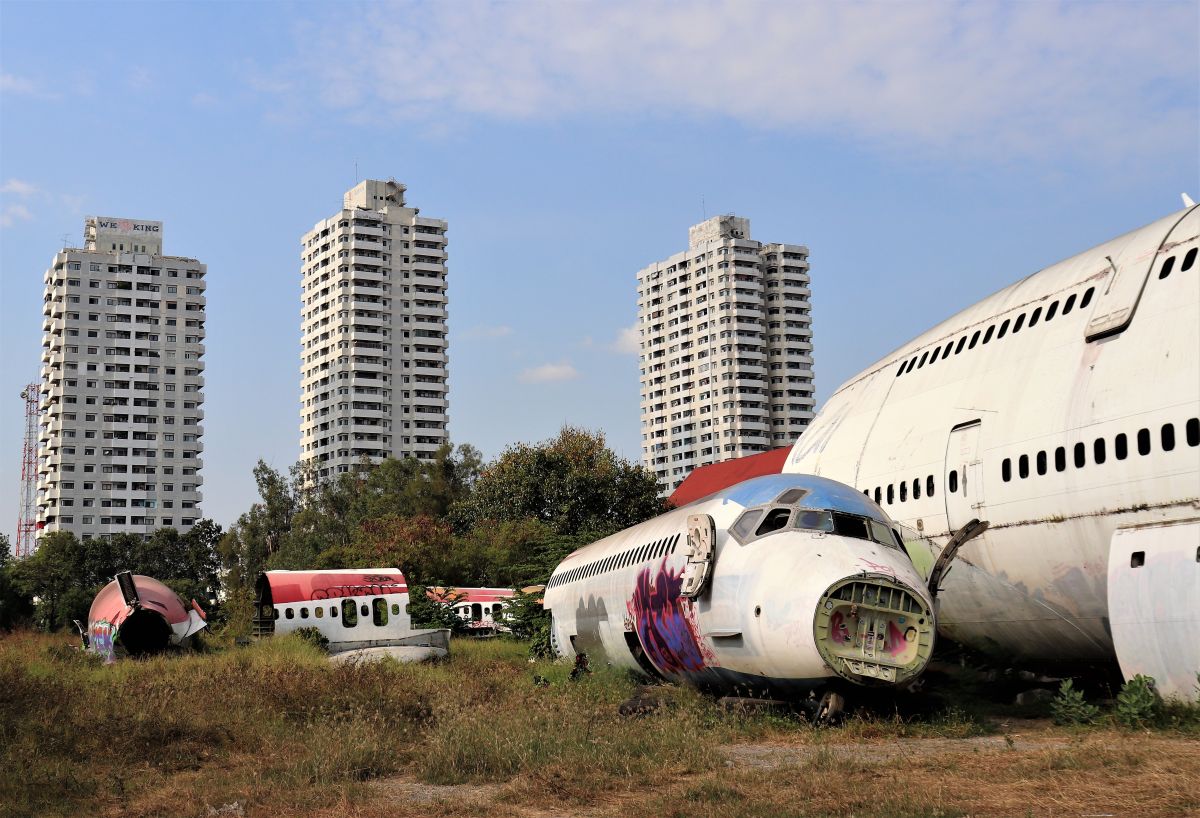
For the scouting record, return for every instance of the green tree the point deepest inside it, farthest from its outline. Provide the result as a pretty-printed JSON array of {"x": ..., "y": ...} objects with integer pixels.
[
  {"x": 573, "y": 483},
  {"x": 15, "y": 607}
]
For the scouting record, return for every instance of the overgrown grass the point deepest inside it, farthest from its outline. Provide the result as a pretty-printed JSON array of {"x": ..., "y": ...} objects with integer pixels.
[{"x": 278, "y": 729}]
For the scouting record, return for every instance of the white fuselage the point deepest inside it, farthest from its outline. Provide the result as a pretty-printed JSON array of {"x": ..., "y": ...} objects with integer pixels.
[
  {"x": 1061, "y": 433},
  {"x": 752, "y": 628}
]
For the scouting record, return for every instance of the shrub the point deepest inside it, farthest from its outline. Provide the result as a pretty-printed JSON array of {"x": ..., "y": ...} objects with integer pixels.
[
  {"x": 314, "y": 637},
  {"x": 1069, "y": 706},
  {"x": 1137, "y": 703}
]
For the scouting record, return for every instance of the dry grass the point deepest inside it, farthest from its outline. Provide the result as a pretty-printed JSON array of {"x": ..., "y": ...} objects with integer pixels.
[{"x": 276, "y": 729}]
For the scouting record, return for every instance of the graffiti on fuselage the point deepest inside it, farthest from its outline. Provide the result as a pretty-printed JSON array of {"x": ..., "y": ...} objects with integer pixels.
[
  {"x": 665, "y": 623},
  {"x": 339, "y": 591},
  {"x": 102, "y": 639}
]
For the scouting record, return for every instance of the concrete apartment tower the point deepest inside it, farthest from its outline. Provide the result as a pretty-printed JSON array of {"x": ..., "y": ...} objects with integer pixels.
[
  {"x": 373, "y": 350},
  {"x": 122, "y": 384},
  {"x": 726, "y": 349}
]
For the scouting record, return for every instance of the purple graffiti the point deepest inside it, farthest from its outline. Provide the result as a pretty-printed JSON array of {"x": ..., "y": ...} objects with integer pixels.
[
  {"x": 100, "y": 639},
  {"x": 665, "y": 623}
]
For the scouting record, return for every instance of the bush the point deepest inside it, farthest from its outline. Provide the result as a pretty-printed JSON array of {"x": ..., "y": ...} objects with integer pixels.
[
  {"x": 314, "y": 637},
  {"x": 1137, "y": 703},
  {"x": 1069, "y": 706}
]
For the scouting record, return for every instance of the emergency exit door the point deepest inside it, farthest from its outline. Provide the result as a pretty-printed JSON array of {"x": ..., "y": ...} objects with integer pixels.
[{"x": 964, "y": 475}]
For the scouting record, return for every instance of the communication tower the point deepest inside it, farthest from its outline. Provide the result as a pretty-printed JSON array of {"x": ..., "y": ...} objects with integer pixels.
[{"x": 27, "y": 518}]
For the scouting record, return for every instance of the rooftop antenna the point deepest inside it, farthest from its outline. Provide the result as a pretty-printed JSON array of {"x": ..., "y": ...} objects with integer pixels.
[
  {"x": 66, "y": 238},
  {"x": 703, "y": 208},
  {"x": 356, "y": 171}
]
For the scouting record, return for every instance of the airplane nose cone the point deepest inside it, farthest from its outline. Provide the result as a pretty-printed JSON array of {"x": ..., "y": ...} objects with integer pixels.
[{"x": 874, "y": 629}]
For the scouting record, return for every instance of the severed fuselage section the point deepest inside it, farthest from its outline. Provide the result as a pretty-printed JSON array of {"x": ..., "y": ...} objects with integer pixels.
[
  {"x": 781, "y": 584},
  {"x": 136, "y": 615}
]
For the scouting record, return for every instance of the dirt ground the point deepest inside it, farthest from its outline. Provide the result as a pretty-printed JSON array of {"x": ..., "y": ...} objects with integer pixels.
[{"x": 1032, "y": 768}]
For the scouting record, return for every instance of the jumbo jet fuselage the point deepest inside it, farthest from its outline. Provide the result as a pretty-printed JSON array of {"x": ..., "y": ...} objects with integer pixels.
[{"x": 1065, "y": 411}]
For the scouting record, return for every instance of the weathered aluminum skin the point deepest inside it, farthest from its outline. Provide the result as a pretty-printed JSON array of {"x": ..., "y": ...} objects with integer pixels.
[
  {"x": 1035, "y": 585},
  {"x": 752, "y": 628}
]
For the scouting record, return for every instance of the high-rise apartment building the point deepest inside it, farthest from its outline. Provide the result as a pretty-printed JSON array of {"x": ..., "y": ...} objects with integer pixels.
[
  {"x": 726, "y": 349},
  {"x": 373, "y": 350},
  {"x": 122, "y": 384}
]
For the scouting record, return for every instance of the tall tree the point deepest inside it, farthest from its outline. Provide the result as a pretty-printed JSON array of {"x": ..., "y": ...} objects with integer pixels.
[{"x": 574, "y": 483}]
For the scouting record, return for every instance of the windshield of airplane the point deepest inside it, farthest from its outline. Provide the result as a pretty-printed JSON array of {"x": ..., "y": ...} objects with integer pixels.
[{"x": 758, "y": 522}]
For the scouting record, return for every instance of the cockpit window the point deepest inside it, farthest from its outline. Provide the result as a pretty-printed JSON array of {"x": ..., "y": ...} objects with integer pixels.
[
  {"x": 813, "y": 520},
  {"x": 847, "y": 525},
  {"x": 743, "y": 529},
  {"x": 880, "y": 533},
  {"x": 791, "y": 497},
  {"x": 776, "y": 519}
]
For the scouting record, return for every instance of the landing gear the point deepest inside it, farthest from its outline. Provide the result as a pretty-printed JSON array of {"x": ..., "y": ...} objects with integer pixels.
[{"x": 830, "y": 709}]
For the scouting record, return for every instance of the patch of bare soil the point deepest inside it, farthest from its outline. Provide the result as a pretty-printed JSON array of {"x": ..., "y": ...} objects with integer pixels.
[{"x": 772, "y": 755}]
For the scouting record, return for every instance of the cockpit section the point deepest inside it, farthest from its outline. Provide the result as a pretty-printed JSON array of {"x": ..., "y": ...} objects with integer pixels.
[{"x": 804, "y": 510}]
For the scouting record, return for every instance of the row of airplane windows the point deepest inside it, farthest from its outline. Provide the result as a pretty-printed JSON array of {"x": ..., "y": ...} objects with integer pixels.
[
  {"x": 1188, "y": 261},
  {"x": 1100, "y": 450},
  {"x": 1041, "y": 461},
  {"x": 654, "y": 550},
  {"x": 941, "y": 353},
  {"x": 376, "y": 614}
]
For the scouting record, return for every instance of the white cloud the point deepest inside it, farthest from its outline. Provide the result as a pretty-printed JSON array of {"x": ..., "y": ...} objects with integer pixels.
[
  {"x": 1009, "y": 78},
  {"x": 12, "y": 84},
  {"x": 487, "y": 333},
  {"x": 16, "y": 187},
  {"x": 14, "y": 213},
  {"x": 548, "y": 372},
  {"x": 629, "y": 341}
]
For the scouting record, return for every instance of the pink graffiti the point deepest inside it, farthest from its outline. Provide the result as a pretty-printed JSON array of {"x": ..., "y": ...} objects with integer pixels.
[
  {"x": 665, "y": 623},
  {"x": 895, "y": 638},
  {"x": 838, "y": 630}
]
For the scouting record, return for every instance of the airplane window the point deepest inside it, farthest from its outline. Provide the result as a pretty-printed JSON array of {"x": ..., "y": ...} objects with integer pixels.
[
  {"x": 946, "y": 351},
  {"x": 1050, "y": 312},
  {"x": 1006, "y": 470},
  {"x": 365, "y": 610},
  {"x": 1143, "y": 441},
  {"x": 1060, "y": 459},
  {"x": 1188, "y": 260},
  {"x": 1041, "y": 462},
  {"x": 674, "y": 543},
  {"x": 395, "y": 609},
  {"x": 289, "y": 613},
  {"x": 952, "y": 482},
  {"x": 1069, "y": 304},
  {"x": 1120, "y": 447},
  {"x": 319, "y": 611},
  {"x": 900, "y": 371},
  {"x": 1080, "y": 455},
  {"x": 880, "y": 533},
  {"x": 848, "y": 525},
  {"x": 1020, "y": 322},
  {"x": 1023, "y": 466},
  {"x": 791, "y": 497},
  {"x": 933, "y": 356},
  {"x": 904, "y": 492},
  {"x": 1168, "y": 437},
  {"x": 1165, "y": 270},
  {"x": 379, "y": 611},
  {"x": 987, "y": 336},
  {"x": 1098, "y": 453},
  {"x": 974, "y": 340},
  {"x": 929, "y": 486},
  {"x": 349, "y": 613},
  {"x": 878, "y": 495},
  {"x": 744, "y": 527},
  {"x": 923, "y": 357},
  {"x": 333, "y": 612},
  {"x": 776, "y": 519},
  {"x": 917, "y": 488},
  {"x": 1087, "y": 297},
  {"x": 1003, "y": 329},
  {"x": 911, "y": 364},
  {"x": 304, "y": 613},
  {"x": 1033, "y": 318},
  {"x": 961, "y": 341},
  {"x": 891, "y": 495},
  {"x": 812, "y": 520},
  {"x": 1193, "y": 432}
]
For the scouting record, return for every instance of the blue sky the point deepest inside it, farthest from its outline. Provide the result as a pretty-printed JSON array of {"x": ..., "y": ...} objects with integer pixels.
[{"x": 927, "y": 154}]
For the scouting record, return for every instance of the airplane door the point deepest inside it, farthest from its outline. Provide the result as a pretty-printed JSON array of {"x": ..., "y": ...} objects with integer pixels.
[{"x": 964, "y": 475}]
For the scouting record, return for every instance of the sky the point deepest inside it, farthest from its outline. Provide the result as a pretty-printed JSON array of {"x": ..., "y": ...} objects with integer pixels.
[{"x": 926, "y": 153}]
